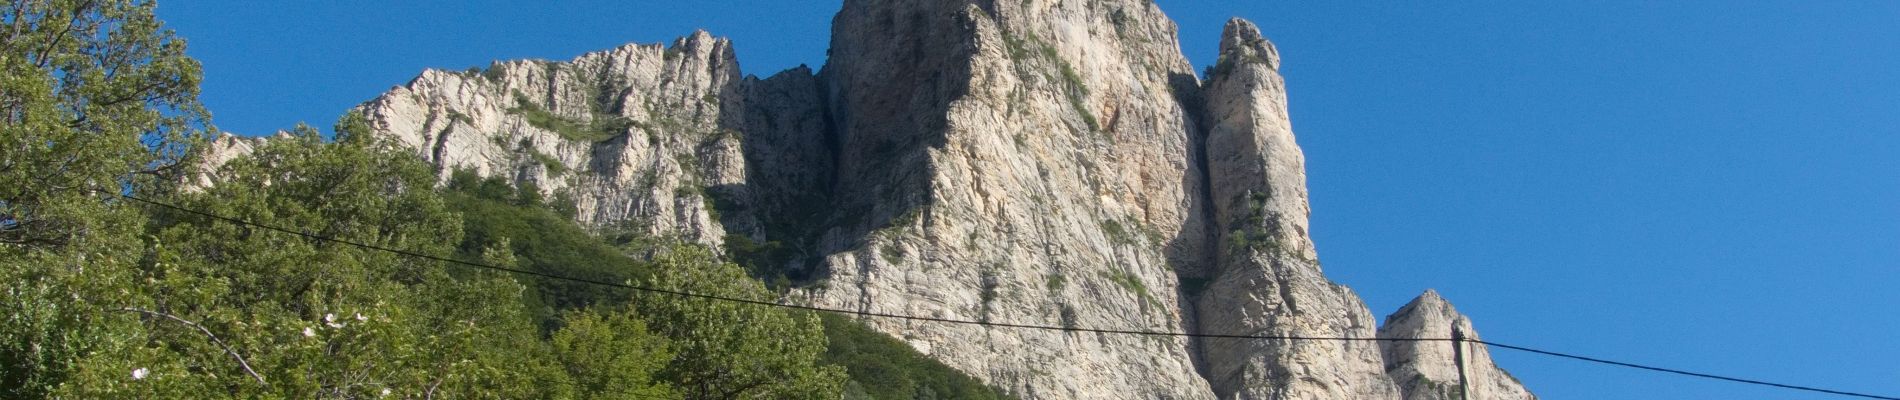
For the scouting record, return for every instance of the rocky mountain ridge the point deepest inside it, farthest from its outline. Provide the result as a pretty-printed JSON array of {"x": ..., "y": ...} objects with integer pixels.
[{"x": 1040, "y": 162}]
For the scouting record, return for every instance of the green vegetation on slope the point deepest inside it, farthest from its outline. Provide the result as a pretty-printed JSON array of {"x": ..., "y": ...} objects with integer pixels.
[
  {"x": 495, "y": 214},
  {"x": 180, "y": 305},
  {"x": 881, "y": 367},
  {"x": 601, "y": 128},
  {"x": 723, "y": 349},
  {"x": 113, "y": 298}
]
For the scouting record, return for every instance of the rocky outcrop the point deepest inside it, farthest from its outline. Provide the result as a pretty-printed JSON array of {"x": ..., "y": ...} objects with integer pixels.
[
  {"x": 215, "y": 153},
  {"x": 1268, "y": 281},
  {"x": 649, "y": 136},
  {"x": 1039, "y": 162},
  {"x": 1425, "y": 370},
  {"x": 1018, "y": 162}
]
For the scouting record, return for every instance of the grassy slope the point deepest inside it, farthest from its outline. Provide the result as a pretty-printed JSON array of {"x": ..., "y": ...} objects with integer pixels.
[{"x": 881, "y": 367}]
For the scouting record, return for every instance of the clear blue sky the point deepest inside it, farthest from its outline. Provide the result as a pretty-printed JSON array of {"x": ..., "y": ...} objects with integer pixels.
[{"x": 1706, "y": 185}]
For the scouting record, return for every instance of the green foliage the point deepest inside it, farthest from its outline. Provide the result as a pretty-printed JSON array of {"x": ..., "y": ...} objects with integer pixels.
[
  {"x": 458, "y": 116},
  {"x": 612, "y": 356},
  {"x": 719, "y": 201},
  {"x": 327, "y": 320},
  {"x": 1116, "y": 232},
  {"x": 734, "y": 350},
  {"x": 108, "y": 298},
  {"x": 724, "y": 349},
  {"x": 1079, "y": 102},
  {"x": 318, "y": 319},
  {"x": 762, "y": 259},
  {"x": 553, "y": 165},
  {"x": 1253, "y": 232},
  {"x": 97, "y": 97},
  {"x": 905, "y": 220},
  {"x": 1072, "y": 78},
  {"x": 1074, "y": 88},
  {"x": 896, "y": 227},
  {"x": 881, "y": 367},
  {"x": 1132, "y": 284},
  {"x": 1055, "y": 282},
  {"x": 543, "y": 241},
  {"x": 1018, "y": 48},
  {"x": 600, "y": 128},
  {"x": 1228, "y": 62},
  {"x": 891, "y": 253}
]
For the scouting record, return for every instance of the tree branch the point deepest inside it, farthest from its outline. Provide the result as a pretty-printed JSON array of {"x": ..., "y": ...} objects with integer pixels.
[
  {"x": 207, "y": 332},
  {"x": 19, "y": 14},
  {"x": 78, "y": 12}
]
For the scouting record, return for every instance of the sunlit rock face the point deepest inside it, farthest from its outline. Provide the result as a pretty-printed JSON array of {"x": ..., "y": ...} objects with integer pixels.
[
  {"x": 1036, "y": 162},
  {"x": 1425, "y": 370}
]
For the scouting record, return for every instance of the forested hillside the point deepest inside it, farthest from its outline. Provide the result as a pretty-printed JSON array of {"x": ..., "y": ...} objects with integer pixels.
[{"x": 126, "y": 270}]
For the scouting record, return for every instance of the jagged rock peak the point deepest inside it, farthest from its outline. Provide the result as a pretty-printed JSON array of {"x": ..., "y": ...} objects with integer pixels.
[
  {"x": 641, "y": 133},
  {"x": 1046, "y": 162},
  {"x": 1241, "y": 42},
  {"x": 1019, "y": 162},
  {"x": 1424, "y": 370},
  {"x": 1267, "y": 278}
]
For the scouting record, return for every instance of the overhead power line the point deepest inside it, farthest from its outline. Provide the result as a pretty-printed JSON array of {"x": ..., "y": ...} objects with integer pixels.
[
  {"x": 1681, "y": 372},
  {"x": 472, "y": 264}
]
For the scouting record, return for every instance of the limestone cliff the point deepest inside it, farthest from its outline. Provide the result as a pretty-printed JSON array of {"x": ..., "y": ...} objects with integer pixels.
[
  {"x": 657, "y": 137},
  {"x": 1030, "y": 162},
  {"x": 1021, "y": 163},
  {"x": 1424, "y": 370},
  {"x": 1267, "y": 279}
]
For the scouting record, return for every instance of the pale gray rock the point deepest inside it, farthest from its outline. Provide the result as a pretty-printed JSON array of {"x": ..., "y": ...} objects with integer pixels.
[
  {"x": 642, "y": 135},
  {"x": 220, "y": 150},
  {"x": 1268, "y": 281},
  {"x": 1036, "y": 162},
  {"x": 1425, "y": 370},
  {"x": 1020, "y": 162}
]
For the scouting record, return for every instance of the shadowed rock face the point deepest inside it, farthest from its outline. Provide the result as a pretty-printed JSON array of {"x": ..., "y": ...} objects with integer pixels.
[
  {"x": 1029, "y": 162},
  {"x": 1020, "y": 162},
  {"x": 1425, "y": 370}
]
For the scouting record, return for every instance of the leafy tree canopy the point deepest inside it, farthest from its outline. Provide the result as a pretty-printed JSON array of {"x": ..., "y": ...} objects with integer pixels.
[{"x": 112, "y": 298}]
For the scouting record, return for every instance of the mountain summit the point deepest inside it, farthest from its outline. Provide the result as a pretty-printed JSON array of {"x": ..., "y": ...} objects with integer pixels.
[{"x": 1041, "y": 162}]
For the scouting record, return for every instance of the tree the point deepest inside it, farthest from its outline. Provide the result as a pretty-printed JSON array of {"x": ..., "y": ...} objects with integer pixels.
[
  {"x": 95, "y": 97},
  {"x": 612, "y": 356},
  {"x": 731, "y": 350},
  {"x": 317, "y": 318},
  {"x": 93, "y": 93}
]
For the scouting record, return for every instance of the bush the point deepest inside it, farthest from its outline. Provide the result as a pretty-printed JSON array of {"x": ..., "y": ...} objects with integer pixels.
[
  {"x": 882, "y": 367},
  {"x": 601, "y": 128}
]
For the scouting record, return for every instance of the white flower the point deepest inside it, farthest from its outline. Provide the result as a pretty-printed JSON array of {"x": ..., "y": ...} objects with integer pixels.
[
  {"x": 360, "y": 317},
  {"x": 140, "y": 373},
  {"x": 385, "y": 392},
  {"x": 307, "y": 332},
  {"x": 327, "y": 317}
]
